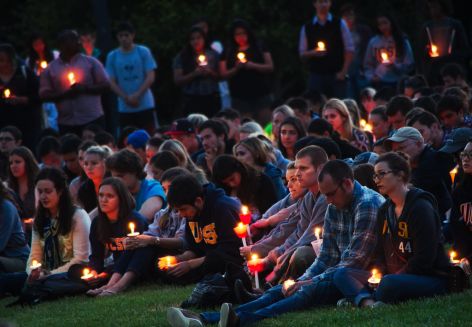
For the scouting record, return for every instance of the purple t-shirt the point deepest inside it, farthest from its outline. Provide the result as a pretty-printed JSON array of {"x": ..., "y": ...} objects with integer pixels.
[{"x": 87, "y": 70}]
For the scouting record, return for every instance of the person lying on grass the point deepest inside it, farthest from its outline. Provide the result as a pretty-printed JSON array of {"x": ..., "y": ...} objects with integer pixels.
[
  {"x": 60, "y": 233},
  {"x": 209, "y": 237},
  {"x": 349, "y": 240},
  {"x": 108, "y": 235},
  {"x": 409, "y": 251}
]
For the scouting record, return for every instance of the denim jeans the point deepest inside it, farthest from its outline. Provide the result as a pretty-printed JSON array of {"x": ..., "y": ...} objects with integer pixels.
[
  {"x": 392, "y": 288},
  {"x": 273, "y": 303}
]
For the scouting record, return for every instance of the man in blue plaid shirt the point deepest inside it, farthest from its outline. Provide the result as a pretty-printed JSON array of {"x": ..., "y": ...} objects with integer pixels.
[{"x": 349, "y": 240}]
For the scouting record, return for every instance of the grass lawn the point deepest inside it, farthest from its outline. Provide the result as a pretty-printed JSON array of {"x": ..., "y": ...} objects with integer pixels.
[{"x": 146, "y": 306}]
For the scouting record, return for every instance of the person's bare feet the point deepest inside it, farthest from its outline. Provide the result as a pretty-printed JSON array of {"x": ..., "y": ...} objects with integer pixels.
[
  {"x": 367, "y": 303},
  {"x": 96, "y": 291}
]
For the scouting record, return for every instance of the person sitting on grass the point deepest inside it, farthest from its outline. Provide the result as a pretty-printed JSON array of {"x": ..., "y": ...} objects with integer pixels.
[
  {"x": 209, "y": 237},
  {"x": 349, "y": 240},
  {"x": 148, "y": 194},
  {"x": 108, "y": 235},
  {"x": 60, "y": 233},
  {"x": 409, "y": 251}
]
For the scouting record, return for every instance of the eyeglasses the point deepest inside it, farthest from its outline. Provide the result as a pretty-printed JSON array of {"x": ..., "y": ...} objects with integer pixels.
[
  {"x": 6, "y": 139},
  {"x": 381, "y": 175},
  {"x": 466, "y": 154},
  {"x": 332, "y": 193}
]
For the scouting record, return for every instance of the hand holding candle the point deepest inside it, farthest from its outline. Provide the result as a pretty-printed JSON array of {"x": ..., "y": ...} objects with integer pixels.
[
  {"x": 375, "y": 278},
  {"x": 6, "y": 93},
  {"x": 165, "y": 263},
  {"x": 365, "y": 126},
  {"x": 71, "y": 78},
  {"x": 320, "y": 47},
  {"x": 384, "y": 56},
  {"x": 202, "y": 60},
  {"x": 287, "y": 284},
  {"x": 241, "y": 232},
  {"x": 452, "y": 258},
  {"x": 35, "y": 265},
  {"x": 242, "y": 57},
  {"x": 133, "y": 233},
  {"x": 87, "y": 274}
]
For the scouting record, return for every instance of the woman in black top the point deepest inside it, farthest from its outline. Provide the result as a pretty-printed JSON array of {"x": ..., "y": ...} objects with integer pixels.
[
  {"x": 196, "y": 71},
  {"x": 247, "y": 64},
  {"x": 409, "y": 249},
  {"x": 253, "y": 188}
]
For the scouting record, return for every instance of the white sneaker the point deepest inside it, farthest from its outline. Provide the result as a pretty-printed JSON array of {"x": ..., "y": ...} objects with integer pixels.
[{"x": 177, "y": 317}]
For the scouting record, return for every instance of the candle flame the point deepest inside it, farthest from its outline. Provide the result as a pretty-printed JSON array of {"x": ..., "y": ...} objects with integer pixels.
[
  {"x": 452, "y": 255},
  {"x": 43, "y": 64},
  {"x": 434, "y": 51},
  {"x": 317, "y": 232},
  {"x": 131, "y": 227},
  {"x": 242, "y": 57},
  {"x": 7, "y": 93},
  {"x": 34, "y": 263},
  {"x": 244, "y": 210},
  {"x": 71, "y": 78},
  {"x": 362, "y": 122},
  {"x": 254, "y": 257},
  {"x": 85, "y": 272},
  {"x": 202, "y": 59},
  {"x": 384, "y": 56},
  {"x": 453, "y": 173},
  {"x": 320, "y": 46},
  {"x": 288, "y": 283}
]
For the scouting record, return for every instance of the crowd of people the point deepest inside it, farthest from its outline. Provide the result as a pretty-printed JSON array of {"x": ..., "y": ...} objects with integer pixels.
[{"x": 370, "y": 168}]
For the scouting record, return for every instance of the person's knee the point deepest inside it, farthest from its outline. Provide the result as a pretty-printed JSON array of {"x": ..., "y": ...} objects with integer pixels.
[
  {"x": 340, "y": 275},
  {"x": 386, "y": 292},
  {"x": 303, "y": 256}
]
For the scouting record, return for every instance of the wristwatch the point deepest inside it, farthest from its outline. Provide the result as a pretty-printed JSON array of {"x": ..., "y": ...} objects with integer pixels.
[{"x": 157, "y": 240}]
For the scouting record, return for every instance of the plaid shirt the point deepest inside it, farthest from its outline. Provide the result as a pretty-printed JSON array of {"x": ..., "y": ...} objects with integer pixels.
[{"x": 349, "y": 235}]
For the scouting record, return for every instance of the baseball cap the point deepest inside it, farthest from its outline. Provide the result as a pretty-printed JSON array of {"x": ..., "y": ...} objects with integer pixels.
[
  {"x": 403, "y": 134},
  {"x": 138, "y": 138},
  {"x": 457, "y": 140},
  {"x": 180, "y": 127}
]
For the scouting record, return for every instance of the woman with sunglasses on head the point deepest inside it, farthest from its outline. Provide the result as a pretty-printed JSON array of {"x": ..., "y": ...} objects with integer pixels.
[
  {"x": 461, "y": 213},
  {"x": 409, "y": 250}
]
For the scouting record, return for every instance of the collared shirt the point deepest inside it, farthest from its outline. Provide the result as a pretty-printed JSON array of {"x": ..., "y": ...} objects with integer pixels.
[
  {"x": 85, "y": 107},
  {"x": 349, "y": 235},
  {"x": 346, "y": 34}
]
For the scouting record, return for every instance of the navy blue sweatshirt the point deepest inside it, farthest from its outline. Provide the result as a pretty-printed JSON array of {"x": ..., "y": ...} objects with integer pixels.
[
  {"x": 115, "y": 243},
  {"x": 212, "y": 228},
  {"x": 411, "y": 243}
]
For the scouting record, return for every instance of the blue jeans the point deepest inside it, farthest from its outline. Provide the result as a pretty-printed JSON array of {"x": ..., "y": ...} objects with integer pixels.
[
  {"x": 392, "y": 288},
  {"x": 273, "y": 303}
]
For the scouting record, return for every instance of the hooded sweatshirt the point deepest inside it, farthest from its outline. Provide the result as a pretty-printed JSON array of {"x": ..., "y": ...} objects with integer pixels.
[{"x": 411, "y": 243}]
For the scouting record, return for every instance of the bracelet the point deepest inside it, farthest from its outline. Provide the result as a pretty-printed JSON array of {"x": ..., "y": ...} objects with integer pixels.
[{"x": 157, "y": 241}]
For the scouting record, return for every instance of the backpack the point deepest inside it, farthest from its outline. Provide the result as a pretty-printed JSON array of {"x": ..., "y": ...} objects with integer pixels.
[{"x": 211, "y": 291}]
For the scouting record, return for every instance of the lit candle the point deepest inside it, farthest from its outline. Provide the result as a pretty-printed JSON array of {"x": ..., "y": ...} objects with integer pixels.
[
  {"x": 71, "y": 78},
  {"x": 35, "y": 265},
  {"x": 241, "y": 232},
  {"x": 245, "y": 215},
  {"x": 318, "y": 233},
  {"x": 375, "y": 278},
  {"x": 452, "y": 257},
  {"x": 28, "y": 221},
  {"x": 202, "y": 61},
  {"x": 255, "y": 265},
  {"x": 320, "y": 46},
  {"x": 453, "y": 174},
  {"x": 365, "y": 126},
  {"x": 86, "y": 274},
  {"x": 133, "y": 233},
  {"x": 434, "y": 51},
  {"x": 384, "y": 56},
  {"x": 242, "y": 57},
  {"x": 165, "y": 263},
  {"x": 6, "y": 93},
  {"x": 43, "y": 64},
  {"x": 316, "y": 244},
  {"x": 288, "y": 283}
]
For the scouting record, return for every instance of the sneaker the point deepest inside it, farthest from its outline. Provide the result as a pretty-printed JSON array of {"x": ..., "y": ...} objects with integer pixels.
[
  {"x": 344, "y": 303},
  {"x": 177, "y": 317},
  {"x": 228, "y": 318},
  {"x": 378, "y": 304}
]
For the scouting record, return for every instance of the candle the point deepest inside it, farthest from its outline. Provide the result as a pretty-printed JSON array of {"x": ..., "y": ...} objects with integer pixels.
[
  {"x": 165, "y": 263},
  {"x": 375, "y": 278},
  {"x": 133, "y": 233},
  {"x": 71, "y": 78},
  {"x": 86, "y": 274},
  {"x": 245, "y": 215},
  {"x": 452, "y": 257},
  {"x": 453, "y": 174},
  {"x": 255, "y": 265},
  {"x": 434, "y": 51},
  {"x": 318, "y": 233},
  {"x": 28, "y": 221},
  {"x": 35, "y": 265},
  {"x": 241, "y": 232},
  {"x": 384, "y": 56},
  {"x": 320, "y": 46},
  {"x": 43, "y": 64},
  {"x": 316, "y": 244},
  {"x": 6, "y": 93},
  {"x": 366, "y": 127},
  {"x": 242, "y": 57},
  {"x": 288, "y": 283},
  {"x": 202, "y": 61}
]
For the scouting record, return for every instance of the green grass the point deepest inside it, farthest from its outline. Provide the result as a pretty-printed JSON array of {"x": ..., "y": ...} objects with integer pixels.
[{"x": 146, "y": 305}]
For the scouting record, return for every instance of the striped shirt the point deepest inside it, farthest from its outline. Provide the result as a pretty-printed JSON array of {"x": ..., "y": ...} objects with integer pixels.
[{"x": 349, "y": 235}]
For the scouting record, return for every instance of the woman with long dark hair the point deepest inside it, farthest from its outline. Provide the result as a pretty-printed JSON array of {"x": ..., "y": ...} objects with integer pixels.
[
  {"x": 253, "y": 188},
  {"x": 291, "y": 130},
  {"x": 39, "y": 53},
  {"x": 247, "y": 64},
  {"x": 108, "y": 232},
  {"x": 389, "y": 56},
  {"x": 196, "y": 71}
]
